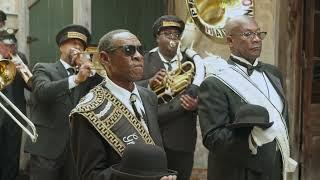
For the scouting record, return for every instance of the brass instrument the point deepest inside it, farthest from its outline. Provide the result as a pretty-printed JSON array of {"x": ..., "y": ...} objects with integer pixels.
[
  {"x": 24, "y": 71},
  {"x": 211, "y": 15},
  {"x": 176, "y": 81},
  {"x": 93, "y": 54},
  {"x": 7, "y": 75}
]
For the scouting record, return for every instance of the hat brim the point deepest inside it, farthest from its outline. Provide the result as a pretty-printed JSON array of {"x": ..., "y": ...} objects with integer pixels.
[
  {"x": 146, "y": 175},
  {"x": 248, "y": 124},
  {"x": 64, "y": 39},
  {"x": 8, "y": 41}
]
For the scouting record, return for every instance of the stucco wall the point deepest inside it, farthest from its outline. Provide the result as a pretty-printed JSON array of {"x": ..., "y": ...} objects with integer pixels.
[{"x": 10, "y": 8}]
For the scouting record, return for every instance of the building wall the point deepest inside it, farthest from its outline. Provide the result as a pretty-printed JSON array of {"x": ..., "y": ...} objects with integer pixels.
[
  {"x": 11, "y": 9},
  {"x": 17, "y": 18}
]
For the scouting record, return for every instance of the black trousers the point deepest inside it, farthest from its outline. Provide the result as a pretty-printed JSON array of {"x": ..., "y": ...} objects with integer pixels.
[
  {"x": 10, "y": 142},
  {"x": 62, "y": 168},
  {"x": 181, "y": 162},
  {"x": 244, "y": 173}
]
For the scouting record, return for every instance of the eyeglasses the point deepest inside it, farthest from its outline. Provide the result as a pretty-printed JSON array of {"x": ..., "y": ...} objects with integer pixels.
[
  {"x": 251, "y": 35},
  {"x": 129, "y": 50},
  {"x": 171, "y": 34}
]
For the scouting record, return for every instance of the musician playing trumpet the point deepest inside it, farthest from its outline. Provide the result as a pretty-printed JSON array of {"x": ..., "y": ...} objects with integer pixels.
[
  {"x": 10, "y": 132},
  {"x": 177, "y": 116},
  {"x": 57, "y": 88}
]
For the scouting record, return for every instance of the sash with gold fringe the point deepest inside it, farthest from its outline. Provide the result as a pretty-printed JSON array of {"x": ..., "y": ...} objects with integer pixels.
[{"x": 114, "y": 122}]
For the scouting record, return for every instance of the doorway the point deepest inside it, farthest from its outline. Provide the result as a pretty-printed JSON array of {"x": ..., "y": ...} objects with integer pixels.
[{"x": 311, "y": 91}]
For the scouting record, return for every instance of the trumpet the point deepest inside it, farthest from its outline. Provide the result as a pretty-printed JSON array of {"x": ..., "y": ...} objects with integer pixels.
[
  {"x": 93, "y": 54},
  {"x": 176, "y": 81},
  {"x": 7, "y": 75}
]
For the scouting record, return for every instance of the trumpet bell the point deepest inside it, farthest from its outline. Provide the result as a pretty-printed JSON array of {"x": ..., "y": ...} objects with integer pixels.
[
  {"x": 7, "y": 72},
  {"x": 210, "y": 16},
  {"x": 95, "y": 59}
]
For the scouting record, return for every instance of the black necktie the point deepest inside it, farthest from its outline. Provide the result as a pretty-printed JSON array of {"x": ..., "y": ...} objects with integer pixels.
[
  {"x": 133, "y": 99},
  {"x": 249, "y": 67},
  {"x": 169, "y": 65},
  {"x": 71, "y": 71}
]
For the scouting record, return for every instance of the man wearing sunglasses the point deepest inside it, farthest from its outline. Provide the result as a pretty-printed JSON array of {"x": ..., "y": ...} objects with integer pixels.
[
  {"x": 115, "y": 113},
  {"x": 177, "y": 116},
  {"x": 232, "y": 102}
]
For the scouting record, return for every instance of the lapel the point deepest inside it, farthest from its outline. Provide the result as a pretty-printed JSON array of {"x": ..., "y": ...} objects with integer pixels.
[
  {"x": 150, "y": 114},
  {"x": 61, "y": 70},
  {"x": 275, "y": 81},
  {"x": 157, "y": 61}
]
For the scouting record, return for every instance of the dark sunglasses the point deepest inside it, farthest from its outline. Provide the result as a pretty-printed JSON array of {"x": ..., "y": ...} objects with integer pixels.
[{"x": 129, "y": 50}]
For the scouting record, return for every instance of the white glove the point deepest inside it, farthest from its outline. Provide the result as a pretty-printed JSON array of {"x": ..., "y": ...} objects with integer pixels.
[
  {"x": 261, "y": 136},
  {"x": 191, "y": 53},
  {"x": 199, "y": 66}
]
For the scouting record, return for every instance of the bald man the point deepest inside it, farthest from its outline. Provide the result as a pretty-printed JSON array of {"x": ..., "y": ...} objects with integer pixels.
[{"x": 243, "y": 112}]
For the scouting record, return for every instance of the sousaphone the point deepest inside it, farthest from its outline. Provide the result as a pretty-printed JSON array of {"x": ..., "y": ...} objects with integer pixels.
[{"x": 210, "y": 16}]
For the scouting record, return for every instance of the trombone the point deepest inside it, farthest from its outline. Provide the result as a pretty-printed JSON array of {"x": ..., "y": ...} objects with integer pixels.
[
  {"x": 7, "y": 75},
  {"x": 24, "y": 71}
]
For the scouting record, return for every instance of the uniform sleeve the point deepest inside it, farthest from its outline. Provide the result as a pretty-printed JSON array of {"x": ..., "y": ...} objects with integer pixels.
[
  {"x": 174, "y": 107},
  {"x": 214, "y": 114},
  {"x": 44, "y": 88}
]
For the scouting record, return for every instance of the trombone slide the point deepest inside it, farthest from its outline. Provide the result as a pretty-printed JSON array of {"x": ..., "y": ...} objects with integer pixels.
[{"x": 33, "y": 135}]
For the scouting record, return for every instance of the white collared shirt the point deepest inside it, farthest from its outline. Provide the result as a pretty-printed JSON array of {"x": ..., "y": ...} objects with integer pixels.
[
  {"x": 71, "y": 79},
  {"x": 123, "y": 95},
  {"x": 174, "y": 61},
  {"x": 263, "y": 83}
]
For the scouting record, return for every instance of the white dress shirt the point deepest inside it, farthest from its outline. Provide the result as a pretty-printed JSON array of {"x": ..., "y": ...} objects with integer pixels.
[
  {"x": 123, "y": 96},
  {"x": 174, "y": 61}
]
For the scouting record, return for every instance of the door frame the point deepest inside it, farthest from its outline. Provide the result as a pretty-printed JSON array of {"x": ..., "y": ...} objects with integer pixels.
[{"x": 289, "y": 59}]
